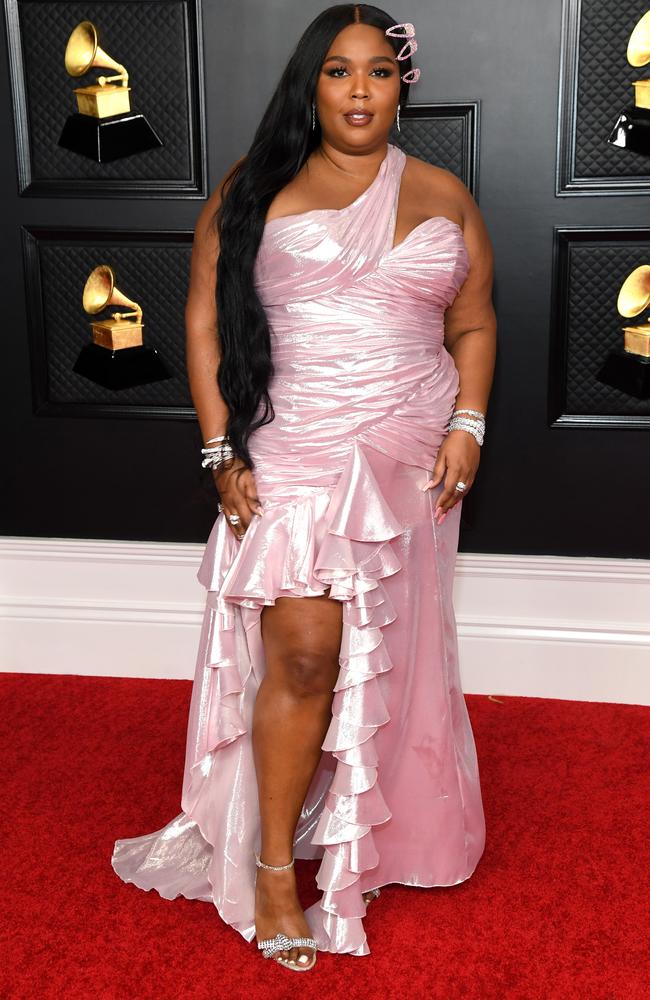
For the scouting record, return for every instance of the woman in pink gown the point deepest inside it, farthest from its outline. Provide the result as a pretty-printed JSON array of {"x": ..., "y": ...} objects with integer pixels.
[{"x": 363, "y": 391}]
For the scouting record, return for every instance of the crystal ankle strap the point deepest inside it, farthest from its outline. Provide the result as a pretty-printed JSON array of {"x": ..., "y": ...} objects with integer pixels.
[
  {"x": 273, "y": 868},
  {"x": 281, "y": 942}
]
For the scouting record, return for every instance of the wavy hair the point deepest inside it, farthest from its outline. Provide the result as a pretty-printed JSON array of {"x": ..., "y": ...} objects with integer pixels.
[{"x": 282, "y": 143}]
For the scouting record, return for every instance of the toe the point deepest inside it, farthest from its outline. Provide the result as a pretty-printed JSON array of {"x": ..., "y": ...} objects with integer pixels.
[
  {"x": 293, "y": 956},
  {"x": 305, "y": 956}
]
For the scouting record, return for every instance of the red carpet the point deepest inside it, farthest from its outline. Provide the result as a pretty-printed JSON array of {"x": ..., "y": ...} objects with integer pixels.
[{"x": 557, "y": 908}]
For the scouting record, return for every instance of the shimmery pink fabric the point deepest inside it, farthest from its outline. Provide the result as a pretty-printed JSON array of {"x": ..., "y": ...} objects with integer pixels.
[{"x": 363, "y": 390}]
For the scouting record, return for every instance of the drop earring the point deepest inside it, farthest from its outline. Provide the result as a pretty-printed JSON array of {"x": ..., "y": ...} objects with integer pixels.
[
  {"x": 313, "y": 116},
  {"x": 398, "y": 128}
]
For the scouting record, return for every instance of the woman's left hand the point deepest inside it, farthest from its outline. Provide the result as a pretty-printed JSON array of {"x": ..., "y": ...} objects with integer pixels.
[{"x": 457, "y": 460}]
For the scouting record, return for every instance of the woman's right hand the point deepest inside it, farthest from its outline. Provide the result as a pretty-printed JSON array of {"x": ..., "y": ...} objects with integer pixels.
[{"x": 238, "y": 492}]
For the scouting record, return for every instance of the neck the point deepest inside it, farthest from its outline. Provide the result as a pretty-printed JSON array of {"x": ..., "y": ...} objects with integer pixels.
[{"x": 361, "y": 165}]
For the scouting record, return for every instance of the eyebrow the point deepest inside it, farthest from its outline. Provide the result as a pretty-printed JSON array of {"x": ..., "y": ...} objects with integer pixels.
[{"x": 372, "y": 59}]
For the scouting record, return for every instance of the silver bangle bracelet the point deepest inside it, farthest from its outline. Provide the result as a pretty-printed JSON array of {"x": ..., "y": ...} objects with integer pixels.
[
  {"x": 475, "y": 413},
  {"x": 216, "y": 461},
  {"x": 470, "y": 422},
  {"x": 475, "y": 428},
  {"x": 217, "y": 455}
]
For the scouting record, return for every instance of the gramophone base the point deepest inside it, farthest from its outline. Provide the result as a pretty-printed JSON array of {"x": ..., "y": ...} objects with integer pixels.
[
  {"x": 121, "y": 369},
  {"x": 632, "y": 130},
  {"x": 106, "y": 139},
  {"x": 628, "y": 372}
]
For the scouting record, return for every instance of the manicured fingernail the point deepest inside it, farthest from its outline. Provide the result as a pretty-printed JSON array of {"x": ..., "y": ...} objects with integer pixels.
[
  {"x": 441, "y": 519},
  {"x": 427, "y": 486},
  {"x": 260, "y": 510}
]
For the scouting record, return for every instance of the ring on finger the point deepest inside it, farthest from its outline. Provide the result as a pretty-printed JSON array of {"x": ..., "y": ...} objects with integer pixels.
[
  {"x": 461, "y": 486},
  {"x": 233, "y": 519}
]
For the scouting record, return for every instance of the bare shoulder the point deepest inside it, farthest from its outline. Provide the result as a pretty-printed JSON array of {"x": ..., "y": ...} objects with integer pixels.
[
  {"x": 204, "y": 229},
  {"x": 200, "y": 311},
  {"x": 443, "y": 193},
  {"x": 440, "y": 191}
]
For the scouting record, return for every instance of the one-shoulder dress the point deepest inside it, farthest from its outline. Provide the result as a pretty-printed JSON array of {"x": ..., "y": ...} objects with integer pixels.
[{"x": 363, "y": 390}]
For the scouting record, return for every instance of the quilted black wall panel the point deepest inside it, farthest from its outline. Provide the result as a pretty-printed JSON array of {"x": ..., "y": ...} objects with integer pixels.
[
  {"x": 590, "y": 269},
  {"x": 158, "y": 44},
  {"x": 150, "y": 268},
  {"x": 596, "y": 87}
]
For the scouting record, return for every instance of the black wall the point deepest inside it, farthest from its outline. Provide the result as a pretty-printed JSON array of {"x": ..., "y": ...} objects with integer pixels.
[{"x": 552, "y": 480}]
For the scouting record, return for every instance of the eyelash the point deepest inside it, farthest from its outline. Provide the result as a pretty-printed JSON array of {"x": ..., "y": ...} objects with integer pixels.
[{"x": 380, "y": 69}]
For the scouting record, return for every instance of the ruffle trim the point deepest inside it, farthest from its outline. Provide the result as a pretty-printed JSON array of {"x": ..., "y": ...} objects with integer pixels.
[{"x": 342, "y": 542}]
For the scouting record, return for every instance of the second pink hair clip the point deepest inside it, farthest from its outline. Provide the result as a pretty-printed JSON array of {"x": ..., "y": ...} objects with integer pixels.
[{"x": 408, "y": 49}]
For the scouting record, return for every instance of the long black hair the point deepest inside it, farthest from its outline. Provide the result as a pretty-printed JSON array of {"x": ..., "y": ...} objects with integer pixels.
[{"x": 282, "y": 143}]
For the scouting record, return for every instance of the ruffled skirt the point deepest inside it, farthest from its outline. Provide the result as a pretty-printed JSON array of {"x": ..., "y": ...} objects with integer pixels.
[{"x": 396, "y": 797}]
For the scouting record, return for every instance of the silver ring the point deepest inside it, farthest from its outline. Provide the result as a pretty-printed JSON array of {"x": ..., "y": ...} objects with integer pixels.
[
  {"x": 220, "y": 507},
  {"x": 234, "y": 518},
  {"x": 461, "y": 486}
]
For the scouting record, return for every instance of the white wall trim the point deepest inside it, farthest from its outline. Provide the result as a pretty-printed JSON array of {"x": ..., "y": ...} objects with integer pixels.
[{"x": 541, "y": 626}]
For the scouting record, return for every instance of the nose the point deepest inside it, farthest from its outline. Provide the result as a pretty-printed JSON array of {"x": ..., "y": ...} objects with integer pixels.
[{"x": 359, "y": 88}]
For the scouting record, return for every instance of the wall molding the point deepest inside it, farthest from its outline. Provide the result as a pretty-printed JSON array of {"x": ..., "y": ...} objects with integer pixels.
[{"x": 565, "y": 627}]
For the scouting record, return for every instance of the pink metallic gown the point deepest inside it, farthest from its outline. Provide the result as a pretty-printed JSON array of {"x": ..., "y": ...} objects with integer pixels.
[{"x": 363, "y": 391}]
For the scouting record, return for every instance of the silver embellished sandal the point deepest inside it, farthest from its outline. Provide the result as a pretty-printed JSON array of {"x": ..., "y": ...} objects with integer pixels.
[
  {"x": 281, "y": 942},
  {"x": 373, "y": 895}
]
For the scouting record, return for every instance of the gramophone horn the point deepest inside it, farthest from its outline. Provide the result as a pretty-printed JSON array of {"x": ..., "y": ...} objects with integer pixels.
[
  {"x": 83, "y": 51},
  {"x": 634, "y": 295},
  {"x": 100, "y": 291},
  {"x": 638, "y": 47}
]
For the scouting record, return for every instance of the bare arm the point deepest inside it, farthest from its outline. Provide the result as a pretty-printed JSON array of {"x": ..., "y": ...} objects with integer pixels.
[
  {"x": 470, "y": 338},
  {"x": 201, "y": 340},
  {"x": 234, "y": 481},
  {"x": 470, "y": 322}
]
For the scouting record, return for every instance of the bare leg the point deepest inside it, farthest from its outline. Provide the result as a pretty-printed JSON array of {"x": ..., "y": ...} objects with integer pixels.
[{"x": 302, "y": 639}]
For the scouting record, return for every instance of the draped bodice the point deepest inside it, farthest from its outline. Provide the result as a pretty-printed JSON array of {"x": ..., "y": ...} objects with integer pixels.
[{"x": 357, "y": 327}]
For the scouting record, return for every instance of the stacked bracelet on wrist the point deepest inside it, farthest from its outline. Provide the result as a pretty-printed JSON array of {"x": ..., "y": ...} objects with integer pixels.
[
  {"x": 222, "y": 452},
  {"x": 474, "y": 423}
]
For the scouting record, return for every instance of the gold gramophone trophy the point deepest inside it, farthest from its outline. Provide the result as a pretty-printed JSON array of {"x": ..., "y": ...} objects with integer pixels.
[
  {"x": 632, "y": 130},
  {"x": 104, "y": 128},
  {"x": 629, "y": 368},
  {"x": 116, "y": 358}
]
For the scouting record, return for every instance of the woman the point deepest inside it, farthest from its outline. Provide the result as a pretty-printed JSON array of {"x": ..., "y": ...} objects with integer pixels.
[{"x": 327, "y": 719}]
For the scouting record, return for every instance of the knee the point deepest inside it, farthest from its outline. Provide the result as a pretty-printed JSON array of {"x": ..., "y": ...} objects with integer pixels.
[{"x": 311, "y": 675}]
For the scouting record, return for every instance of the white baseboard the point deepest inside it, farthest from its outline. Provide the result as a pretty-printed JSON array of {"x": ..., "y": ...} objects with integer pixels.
[{"x": 540, "y": 626}]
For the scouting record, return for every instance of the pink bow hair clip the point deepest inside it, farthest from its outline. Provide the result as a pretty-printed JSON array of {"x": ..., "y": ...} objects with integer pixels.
[{"x": 408, "y": 49}]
